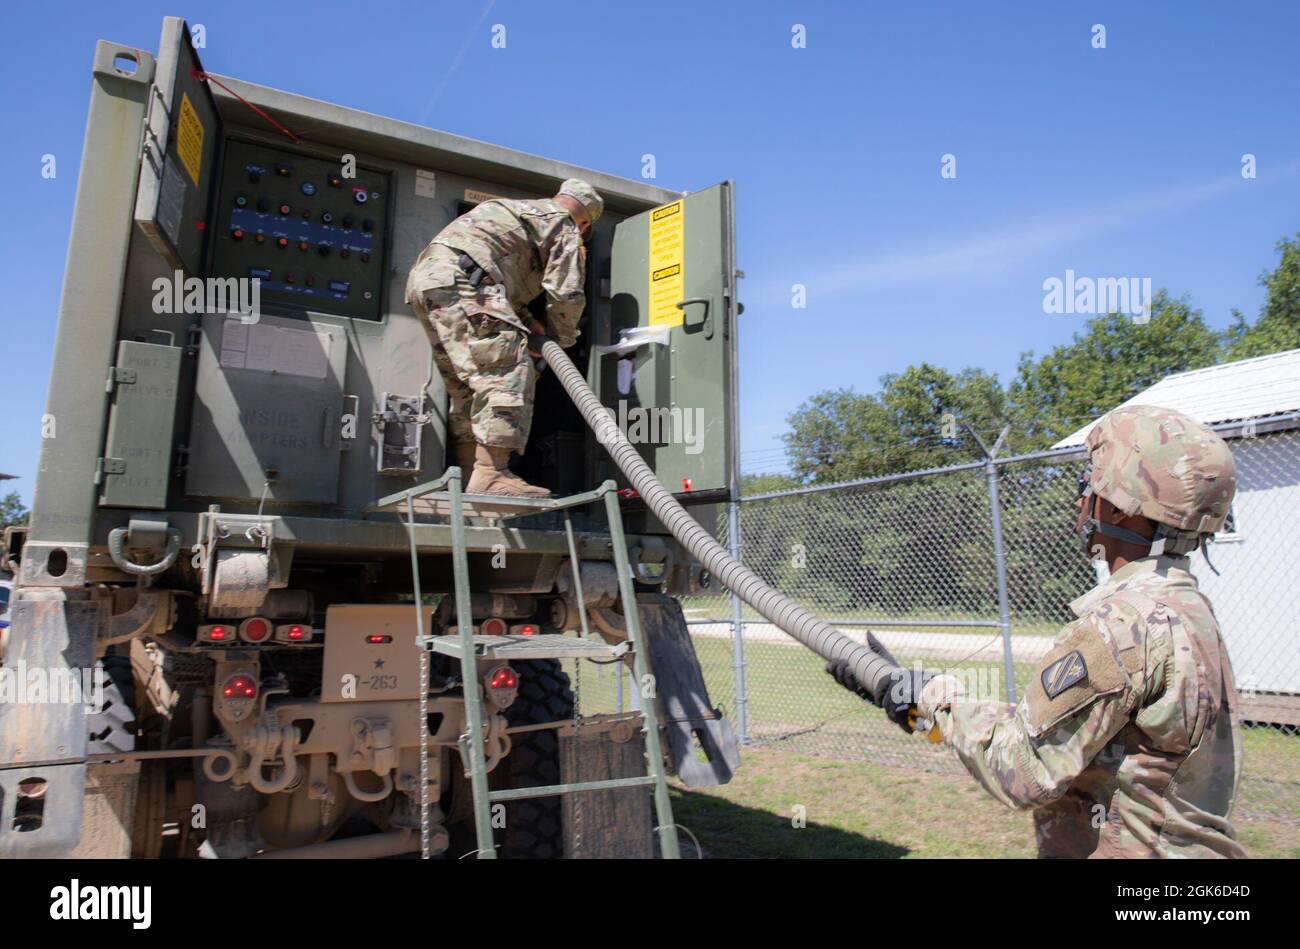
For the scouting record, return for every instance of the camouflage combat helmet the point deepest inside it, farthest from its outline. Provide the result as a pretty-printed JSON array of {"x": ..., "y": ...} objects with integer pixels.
[
  {"x": 585, "y": 195},
  {"x": 1164, "y": 466}
]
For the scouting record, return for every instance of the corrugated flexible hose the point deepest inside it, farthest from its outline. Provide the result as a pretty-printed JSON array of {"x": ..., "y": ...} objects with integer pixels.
[{"x": 870, "y": 669}]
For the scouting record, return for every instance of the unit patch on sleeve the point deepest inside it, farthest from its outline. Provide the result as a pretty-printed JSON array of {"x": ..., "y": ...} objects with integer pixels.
[{"x": 1064, "y": 673}]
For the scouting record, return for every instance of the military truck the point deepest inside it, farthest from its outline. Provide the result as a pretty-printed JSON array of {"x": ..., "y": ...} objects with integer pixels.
[{"x": 306, "y": 640}]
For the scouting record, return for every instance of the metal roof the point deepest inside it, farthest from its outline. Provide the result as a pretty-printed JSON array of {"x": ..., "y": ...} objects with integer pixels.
[
  {"x": 323, "y": 123},
  {"x": 1247, "y": 389}
]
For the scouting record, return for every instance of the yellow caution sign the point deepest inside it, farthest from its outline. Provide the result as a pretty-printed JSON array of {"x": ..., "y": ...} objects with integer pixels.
[
  {"x": 667, "y": 264},
  {"x": 474, "y": 196},
  {"x": 189, "y": 139}
]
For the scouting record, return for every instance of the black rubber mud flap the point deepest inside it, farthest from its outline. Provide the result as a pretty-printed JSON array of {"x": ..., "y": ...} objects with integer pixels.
[{"x": 701, "y": 742}]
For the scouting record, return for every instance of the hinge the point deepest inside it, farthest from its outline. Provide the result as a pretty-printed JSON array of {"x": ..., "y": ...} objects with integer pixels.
[
  {"x": 118, "y": 376},
  {"x": 108, "y": 466}
]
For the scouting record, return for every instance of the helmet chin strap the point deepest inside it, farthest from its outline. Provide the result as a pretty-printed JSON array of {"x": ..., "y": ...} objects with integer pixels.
[
  {"x": 1091, "y": 527},
  {"x": 1166, "y": 540}
]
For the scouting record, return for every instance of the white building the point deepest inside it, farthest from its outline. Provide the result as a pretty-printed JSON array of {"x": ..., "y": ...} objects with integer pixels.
[{"x": 1255, "y": 405}]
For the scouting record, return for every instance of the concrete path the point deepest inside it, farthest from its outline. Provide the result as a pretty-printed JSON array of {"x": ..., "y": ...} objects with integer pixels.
[{"x": 981, "y": 646}]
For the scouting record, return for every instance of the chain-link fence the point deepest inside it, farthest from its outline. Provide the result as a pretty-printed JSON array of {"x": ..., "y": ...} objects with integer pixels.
[{"x": 970, "y": 570}]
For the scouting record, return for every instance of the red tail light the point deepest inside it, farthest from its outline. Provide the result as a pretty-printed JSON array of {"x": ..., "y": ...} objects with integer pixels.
[
  {"x": 239, "y": 687},
  {"x": 501, "y": 686},
  {"x": 375, "y": 639},
  {"x": 254, "y": 630},
  {"x": 493, "y": 626},
  {"x": 217, "y": 633},
  {"x": 686, "y": 484},
  {"x": 293, "y": 633}
]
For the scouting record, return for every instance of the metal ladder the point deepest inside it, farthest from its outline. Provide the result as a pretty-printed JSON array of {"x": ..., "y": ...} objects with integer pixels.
[{"x": 445, "y": 497}]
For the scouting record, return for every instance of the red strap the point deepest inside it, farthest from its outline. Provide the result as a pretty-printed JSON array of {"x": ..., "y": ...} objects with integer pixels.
[{"x": 205, "y": 77}]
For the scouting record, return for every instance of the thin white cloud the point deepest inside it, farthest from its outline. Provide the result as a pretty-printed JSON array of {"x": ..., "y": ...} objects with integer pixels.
[
  {"x": 456, "y": 61},
  {"x": 987, "y": 253}
]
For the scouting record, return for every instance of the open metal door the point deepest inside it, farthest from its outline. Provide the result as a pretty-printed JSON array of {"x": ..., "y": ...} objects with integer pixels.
[
  {"x": 182, "y": 131},
  {"x": 672, "y": 274}
]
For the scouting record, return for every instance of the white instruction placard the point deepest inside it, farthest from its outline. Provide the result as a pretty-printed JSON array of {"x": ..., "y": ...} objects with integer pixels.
[{"x": 265, "y": 348}]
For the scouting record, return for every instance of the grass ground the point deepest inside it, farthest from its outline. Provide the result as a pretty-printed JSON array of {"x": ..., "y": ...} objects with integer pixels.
[
  {"x": 794, "y": 707},
  {"x": 862, "y": 810}
]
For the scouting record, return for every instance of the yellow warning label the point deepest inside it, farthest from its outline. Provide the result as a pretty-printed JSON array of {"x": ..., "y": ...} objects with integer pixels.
[
  {"x": 667, "y": 259},
  {"x": 474, "y": 196},
  {"x": 189, "y": 139}
]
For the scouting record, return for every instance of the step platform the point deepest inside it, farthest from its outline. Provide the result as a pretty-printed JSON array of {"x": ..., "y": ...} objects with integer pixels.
[
  {"x": 522, "y": 648},
  {"x": 430, "y": 500}
]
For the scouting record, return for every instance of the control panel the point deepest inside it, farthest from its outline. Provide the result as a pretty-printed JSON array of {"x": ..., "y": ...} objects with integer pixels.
[{"x": 313, "y": 237}]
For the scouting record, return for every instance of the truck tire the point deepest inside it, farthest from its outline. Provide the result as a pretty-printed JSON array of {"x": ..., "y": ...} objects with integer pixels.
[
  {"x": 111, "y": 723},
  {"x": 533, "y": 827}
]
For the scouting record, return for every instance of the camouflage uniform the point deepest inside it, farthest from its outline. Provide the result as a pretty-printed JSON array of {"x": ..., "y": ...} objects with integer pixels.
[
  {"x": 1127, "y": 742},
  {"x": 480, "y": 342}
]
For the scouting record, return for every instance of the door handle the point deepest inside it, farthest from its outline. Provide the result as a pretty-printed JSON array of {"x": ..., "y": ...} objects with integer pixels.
[{"x": 708, "y": 313}]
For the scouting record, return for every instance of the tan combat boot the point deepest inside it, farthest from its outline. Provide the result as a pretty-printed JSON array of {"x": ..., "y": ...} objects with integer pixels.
[{"x": 491, "y": 476}]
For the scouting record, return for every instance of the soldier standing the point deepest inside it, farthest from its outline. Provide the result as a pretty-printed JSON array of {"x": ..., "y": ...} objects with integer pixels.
[
  {"x": 472, "y": 285},
  {"x": 1127, "y": 742}
]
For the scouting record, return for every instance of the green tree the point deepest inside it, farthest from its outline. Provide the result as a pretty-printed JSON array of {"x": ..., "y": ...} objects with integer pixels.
[
  {"x": 752, "y": 484},
  {"x": 914, "y": 422},
  {"x": 1109, "y": 363},
  {"x": 12, "y": 511},
  {"x": 1278, "y": 326}
]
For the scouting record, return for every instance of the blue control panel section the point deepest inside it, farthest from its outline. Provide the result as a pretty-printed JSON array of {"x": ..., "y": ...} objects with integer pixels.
[
  {"x": 311, "y": 231},
  {"x": 273, "y": 225},
  {"x": 336, "y": 290}
]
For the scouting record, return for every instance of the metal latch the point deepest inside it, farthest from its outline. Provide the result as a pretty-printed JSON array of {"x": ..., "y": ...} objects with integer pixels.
[{"x": 399, "y": 420}]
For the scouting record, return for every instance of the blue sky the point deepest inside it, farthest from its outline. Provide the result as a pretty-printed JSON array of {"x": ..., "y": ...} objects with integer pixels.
[{"x": 1123, "y": 161}]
